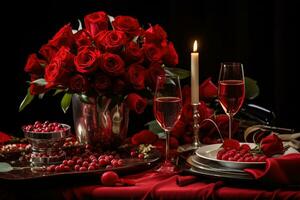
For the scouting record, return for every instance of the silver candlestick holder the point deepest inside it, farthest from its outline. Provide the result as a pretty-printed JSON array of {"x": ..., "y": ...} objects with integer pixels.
[{"x": 196, "y": 116}]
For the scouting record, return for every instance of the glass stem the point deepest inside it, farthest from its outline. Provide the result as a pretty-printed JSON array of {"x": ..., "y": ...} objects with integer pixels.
[
  {"x": 167, "y": 145},
  {"x": 230, "y": 121}
]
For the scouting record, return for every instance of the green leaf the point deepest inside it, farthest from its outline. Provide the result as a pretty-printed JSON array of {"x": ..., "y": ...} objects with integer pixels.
[
  {"x": 57, "y": 91},
  {"x": 40, "y": 81},
  {"x": 5, "y": 167},
  {"x": 66, "y": 101},
  {"x": 154, "y": 127},
  {"x": 84, "y": 98},
  {"x": 28, "y": 98},
  {"x": 252, "y": 89},
  {"x": 182, "y": 73}
]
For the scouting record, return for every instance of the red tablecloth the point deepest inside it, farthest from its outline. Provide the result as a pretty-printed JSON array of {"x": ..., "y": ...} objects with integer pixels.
[{"x": 150, "y": 185}]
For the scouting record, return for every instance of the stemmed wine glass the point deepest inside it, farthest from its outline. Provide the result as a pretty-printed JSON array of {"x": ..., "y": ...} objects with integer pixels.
[
  {"x": 167, "y": 110},
  {"x": 231, "y": 89}
]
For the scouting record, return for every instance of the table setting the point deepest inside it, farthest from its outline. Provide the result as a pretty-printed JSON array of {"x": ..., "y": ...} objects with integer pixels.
[{"x": 206, "y": 140}]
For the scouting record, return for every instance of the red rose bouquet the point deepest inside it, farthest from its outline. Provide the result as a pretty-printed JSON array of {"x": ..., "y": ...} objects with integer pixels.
[{"x": 112, "y": 57}]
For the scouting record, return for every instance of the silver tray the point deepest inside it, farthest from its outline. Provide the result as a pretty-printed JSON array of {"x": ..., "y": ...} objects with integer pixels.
[{"x": 23, "y": 171}]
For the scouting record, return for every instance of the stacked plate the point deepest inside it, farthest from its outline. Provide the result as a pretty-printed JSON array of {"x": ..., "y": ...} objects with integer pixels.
[{"x": 204, "y": 162}]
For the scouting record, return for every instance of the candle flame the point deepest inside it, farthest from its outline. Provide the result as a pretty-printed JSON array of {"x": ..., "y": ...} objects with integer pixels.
[{"x": 195, "y": 47}]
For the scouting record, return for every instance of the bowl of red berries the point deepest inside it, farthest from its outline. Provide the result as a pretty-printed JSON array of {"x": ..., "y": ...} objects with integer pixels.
[{"x": 46, "y": 139}]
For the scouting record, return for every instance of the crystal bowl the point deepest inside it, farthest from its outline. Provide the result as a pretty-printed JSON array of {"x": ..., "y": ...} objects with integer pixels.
[{"x": 47, "y": 146}]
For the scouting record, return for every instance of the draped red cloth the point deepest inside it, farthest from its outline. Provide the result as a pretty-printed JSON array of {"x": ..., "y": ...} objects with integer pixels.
[
  {"x": 150, "y": 185},
  {"x": 281, "y": 170}
]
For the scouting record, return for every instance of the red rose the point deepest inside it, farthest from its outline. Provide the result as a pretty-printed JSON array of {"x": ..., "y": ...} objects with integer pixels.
[
  {"x": 208, "y": 90},
  {"x": 179, "y": 129},
  {"x": 152, "y": 73},
  {"x": 111, "y": 41},
  {"x": 86, "y": 60},
  {"x": 136, "y": 75},
  {"x": 210, "y": 131},
  {"x": 119, "y": 86},
  {"x": 102, "y": 82},
  {"x": 186, "y": 94},
  {"x": 59, "y": 68},
  {"x": 133, "y": 53},
  {"x": 48, "y": 51},
  {"x": 78, "y": 83},
  {"x": 203, "y": 109},
  {"x": 64, "y": 37},
  {"x": 112, "y": 64},
  {"x": 156, "y": 34},
  {"x": 271, "y": 145},
  {"x": 36, "y": 89},
  {"x": 96, "y": 22},
  {"x": 171, "y": 57},
  {"x": 127, "y": 24},
  {"x": 144, "y": 137},
  {"x": 152, "y": 53},
  {"x": 136, "y": 103},
  {"x": 82, "y": 38},
  {"x": 34, "y": 65}
]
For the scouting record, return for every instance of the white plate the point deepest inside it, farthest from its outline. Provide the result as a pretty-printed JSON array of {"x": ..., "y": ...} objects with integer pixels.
[
  {"x": 204, "y": 170},
  {"x": 209, "y": 152}
]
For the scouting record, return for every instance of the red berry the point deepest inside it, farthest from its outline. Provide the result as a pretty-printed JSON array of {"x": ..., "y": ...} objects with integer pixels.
[
  {"x": 76, "y": 167},
  {"x": 133, "y": 154},
  {"x": 231, "y": 143},
  {"x": 220, "y": 153},
  {"x": 141, "y": 156},
  {"x": 109, "y": 178},
  {"x": 82, "y": 169},
  {"x": 246, "y": 147}
]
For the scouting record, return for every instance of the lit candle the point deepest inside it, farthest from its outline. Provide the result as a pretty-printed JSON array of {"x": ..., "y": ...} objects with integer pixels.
[{"x": 195, "y": 74}]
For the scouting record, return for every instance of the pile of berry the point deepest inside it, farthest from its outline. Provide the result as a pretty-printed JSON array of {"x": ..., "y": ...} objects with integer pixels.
[
  {"x": 232, "y": 150},
  {"x": 88, "y": 163},
  {"x": 44, "y": 127}
]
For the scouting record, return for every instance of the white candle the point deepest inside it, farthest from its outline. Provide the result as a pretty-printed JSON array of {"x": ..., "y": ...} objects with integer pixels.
[{"x": 195, "y": 74}]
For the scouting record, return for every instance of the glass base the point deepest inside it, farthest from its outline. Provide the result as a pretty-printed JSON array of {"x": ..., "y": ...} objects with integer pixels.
[{"x": 167, "y": 167}]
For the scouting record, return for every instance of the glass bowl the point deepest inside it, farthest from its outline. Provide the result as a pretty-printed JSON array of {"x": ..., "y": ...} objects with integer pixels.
[{"x": 47, "y": 146}]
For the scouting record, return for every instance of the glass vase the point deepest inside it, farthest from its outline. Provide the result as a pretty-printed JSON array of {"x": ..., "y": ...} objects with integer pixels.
[{"x": 100, "y": 123}]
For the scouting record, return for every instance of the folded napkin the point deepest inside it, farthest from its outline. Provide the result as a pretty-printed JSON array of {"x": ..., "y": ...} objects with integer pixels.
[
  {"x": 280, "y": 170},
  {"x": 4, "y": 137},
  {"x": 185, "y": 180}
]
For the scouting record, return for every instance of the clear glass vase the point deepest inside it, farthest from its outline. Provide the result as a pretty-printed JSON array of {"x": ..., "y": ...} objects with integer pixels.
[{"x": 99, "y": 123}]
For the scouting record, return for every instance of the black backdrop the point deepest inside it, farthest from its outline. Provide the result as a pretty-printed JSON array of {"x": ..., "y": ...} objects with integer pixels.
[{"x": 260, "y": 34}]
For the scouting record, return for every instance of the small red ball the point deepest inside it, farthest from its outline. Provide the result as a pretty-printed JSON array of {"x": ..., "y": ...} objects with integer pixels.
[{"x": 109, "y": 178}]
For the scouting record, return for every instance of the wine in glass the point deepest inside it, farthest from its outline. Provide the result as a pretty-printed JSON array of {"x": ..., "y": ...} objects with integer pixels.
[
  {"x": 231, "y": 89},
  {"x": 167, "y": 110}
]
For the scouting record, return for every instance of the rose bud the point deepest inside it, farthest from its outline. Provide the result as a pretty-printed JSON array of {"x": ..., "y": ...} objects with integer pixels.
[
  {"x": 271, "y": 145},
  {"x": 144, "y": 137}
]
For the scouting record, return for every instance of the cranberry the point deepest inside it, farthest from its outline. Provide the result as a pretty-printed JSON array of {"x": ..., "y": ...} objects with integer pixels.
[
  {"x": 109, "y": 178},
  {"x": 141, "y": 156},
  {"x": 82, "y": 169},
  {"x": 133, "y": 153},
  {"x": 76, "y": 167}
]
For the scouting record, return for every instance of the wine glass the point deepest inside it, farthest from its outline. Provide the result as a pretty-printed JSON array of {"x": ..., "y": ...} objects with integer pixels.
[
  {"x": 167, "y": 110},
  {"x": 231, "y": 89}
]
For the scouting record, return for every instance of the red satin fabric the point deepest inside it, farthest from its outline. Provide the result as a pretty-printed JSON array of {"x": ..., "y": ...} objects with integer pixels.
[
  {"x": 150, "y": 185},
  {"x": 282, "y": 170}
]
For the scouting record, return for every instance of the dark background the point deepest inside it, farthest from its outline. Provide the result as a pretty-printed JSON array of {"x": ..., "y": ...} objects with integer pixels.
[{"x": 261, "y": 34}]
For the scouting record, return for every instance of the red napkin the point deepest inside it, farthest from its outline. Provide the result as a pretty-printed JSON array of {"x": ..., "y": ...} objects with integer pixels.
[
  {"x": 186, "y": 180},
  {"x": 281, "y": 170},
  {"x": 4, "y": 137}
]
